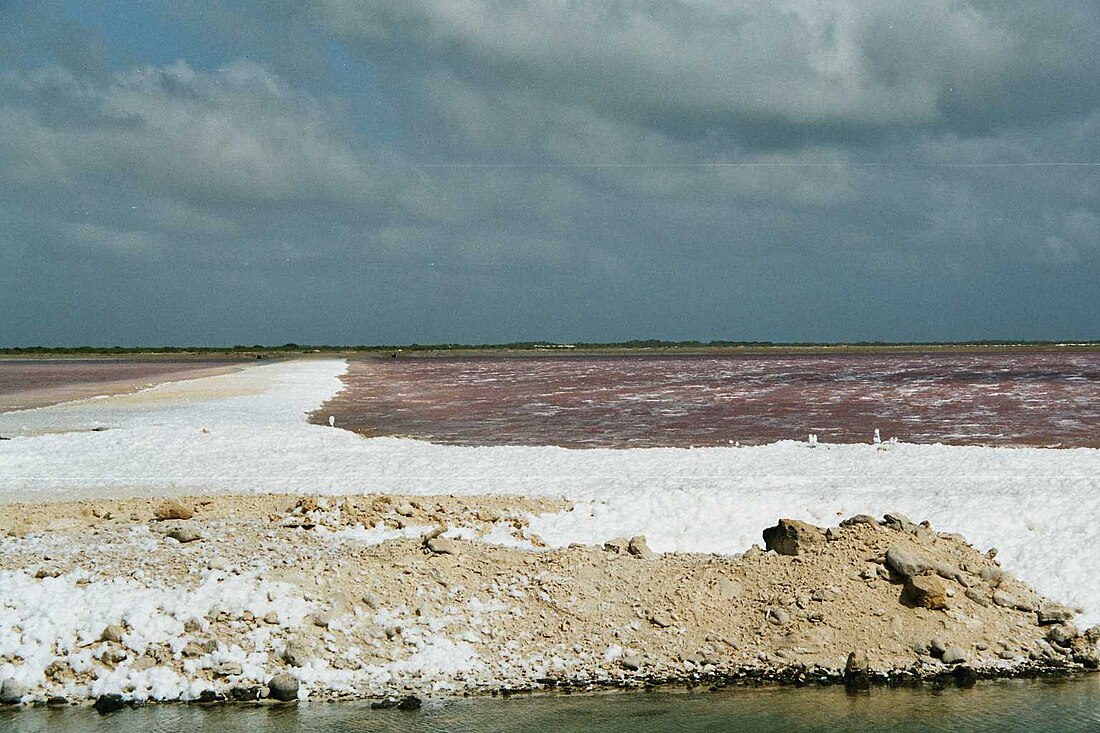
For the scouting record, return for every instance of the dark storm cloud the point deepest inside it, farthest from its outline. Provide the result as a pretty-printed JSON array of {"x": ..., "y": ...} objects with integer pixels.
[{"x": 294, "y": 192}]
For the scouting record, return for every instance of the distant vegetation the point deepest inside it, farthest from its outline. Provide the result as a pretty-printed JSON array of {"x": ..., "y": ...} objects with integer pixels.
[{"x": 257, "y": 350}]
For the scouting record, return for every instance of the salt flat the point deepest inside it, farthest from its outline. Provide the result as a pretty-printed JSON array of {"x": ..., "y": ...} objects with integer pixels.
[{"x": 246, "y": 432}]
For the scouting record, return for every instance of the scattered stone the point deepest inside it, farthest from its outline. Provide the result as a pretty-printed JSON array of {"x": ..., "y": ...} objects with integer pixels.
[
  {"x": 638, "y": 548},
  {"x": 617, "y": 545},
  {"x": 926, "y": 591},
  {"x": 779, "y": 616},
  {"x": 405, "y": 509},
  {"x": 283, "y": 687},
  {"x": 905, "y": 562},
  {"x": 442, "y": 546},
  {"x": 207, "y": 697},
  {"x": 271, "y": 617},
  {"x": 112, "y": 633},
  {"x": 631, "y": 662},
  {"x": 106, "y": 704},
  {"x": 1005, "y": 600},
  {"x": 898, "y": 521},
  {"x": 1054, "y": 613},
  {"x": 245, "y": 694},
  {"x": 660, "y": 620},
  {"x": 172, "y": 510},
  {"x": 1062, "y": 634},
  {"x": 228, "y": 669},
  {"x": 183, "y": 535},
  {"x": 322, "y": 619},
  {"x": 11, "y": 692},
  {"x": 295, "y": 655},
  {"x": 412, "y": 702},
  {"x": 792, "y": 537},
  {"x": 856, "y": 670},
  {"x": 859, "y": 519},
  {"x": 954, "y": 655},
  {"x": 977, "y": 596},
  {"x": 992, "y": 575}
]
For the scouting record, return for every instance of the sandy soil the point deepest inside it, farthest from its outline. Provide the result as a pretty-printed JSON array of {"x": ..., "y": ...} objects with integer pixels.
[{"x": 524, "y": 616}]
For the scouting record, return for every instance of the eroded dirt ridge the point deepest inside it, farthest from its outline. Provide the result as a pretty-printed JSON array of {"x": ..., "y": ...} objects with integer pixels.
[{"x": 277, "y": 597}]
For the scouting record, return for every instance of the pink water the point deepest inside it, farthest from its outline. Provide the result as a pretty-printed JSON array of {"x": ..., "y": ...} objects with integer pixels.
[{"x": 1027, "y": 398}]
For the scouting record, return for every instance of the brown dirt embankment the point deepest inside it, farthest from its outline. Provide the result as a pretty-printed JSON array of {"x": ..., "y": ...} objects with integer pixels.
[{"x": 427, "y": 614}]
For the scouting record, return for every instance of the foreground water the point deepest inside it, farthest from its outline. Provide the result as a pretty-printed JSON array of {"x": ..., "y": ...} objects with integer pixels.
[
  {"x": 1013, "y": 398},
  {"x": 1005, "y": 707}
]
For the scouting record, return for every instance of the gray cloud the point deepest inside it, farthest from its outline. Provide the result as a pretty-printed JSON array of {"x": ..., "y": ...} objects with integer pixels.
[{"x": 252, "y": 202}]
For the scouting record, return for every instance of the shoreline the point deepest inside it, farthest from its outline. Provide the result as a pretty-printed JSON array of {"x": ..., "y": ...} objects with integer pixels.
[
  {"x": 368, "y": 598},
  {"x": 32, "y": 399}
]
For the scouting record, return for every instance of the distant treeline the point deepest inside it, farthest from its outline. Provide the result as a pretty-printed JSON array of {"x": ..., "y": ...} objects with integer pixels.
[{"x": 292, "y": 348}]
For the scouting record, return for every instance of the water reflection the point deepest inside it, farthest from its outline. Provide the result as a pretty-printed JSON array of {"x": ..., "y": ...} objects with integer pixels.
[{"x": 1032, "y": 706}]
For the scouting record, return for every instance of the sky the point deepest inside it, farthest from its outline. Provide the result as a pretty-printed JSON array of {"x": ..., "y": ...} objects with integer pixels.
[{"x": 474, "y": 171}]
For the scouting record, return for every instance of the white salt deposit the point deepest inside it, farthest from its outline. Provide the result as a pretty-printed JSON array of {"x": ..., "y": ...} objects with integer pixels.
[{"x": 247, "y": 432}]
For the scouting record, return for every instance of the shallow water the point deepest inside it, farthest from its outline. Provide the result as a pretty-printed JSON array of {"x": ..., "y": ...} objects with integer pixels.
[
  {"x": 1023, "y": 398},
  {"x": 1031, "y": 706}
]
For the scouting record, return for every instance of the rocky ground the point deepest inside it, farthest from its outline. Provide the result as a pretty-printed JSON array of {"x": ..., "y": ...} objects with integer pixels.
[{"x": 393, "y": 598}]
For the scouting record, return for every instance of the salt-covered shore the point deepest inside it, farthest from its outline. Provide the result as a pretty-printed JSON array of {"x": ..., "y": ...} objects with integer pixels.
[
  {"x": 246, "y": 433},
  {"x": 392, "y": 598}
]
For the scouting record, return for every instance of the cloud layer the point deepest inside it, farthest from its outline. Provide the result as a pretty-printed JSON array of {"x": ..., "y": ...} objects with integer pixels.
[{"x": 479, "y": 171}]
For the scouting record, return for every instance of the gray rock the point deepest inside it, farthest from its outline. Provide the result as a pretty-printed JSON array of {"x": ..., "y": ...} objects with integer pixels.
[
  {"x": 11, "y": 692},
  {"x": 897, "y": 520},
  {"x": 856, "y": 670},
  {"x": 184, "y": 535},
  {"x": 954, "y": 655},
  {"x": 1005, "y": 599},
  {"x": 107, "y": 704},
  {"x": 977, "y": 596},
  {"x": 631, "y": 662},
  {"x": 321, "y": 619},
  {"x": 660, "y": 620},
  {"x": 993, "y": 576},
  {"x": 617, "y": 545},
  {"x": 271, "y": 617},
  {"x": 1054, "y": 613},
  {"x": 296, "y": 655},
  {"x": 442, "y": 546},
  {"x": 937, "y": 647},
  {"x": 283, "y": 687},
  {"x": 405, "y": 509},
  {"x": 859, "y": 519},
  {"x": 779, "y": 616},
  {"x": 228, "y": 669},
  {"x": 1062, "y": 634},
  {"x": 638, "y": 548},
  {"x": 905, "y": 562},
  {"x": 792, "y": 537}
]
